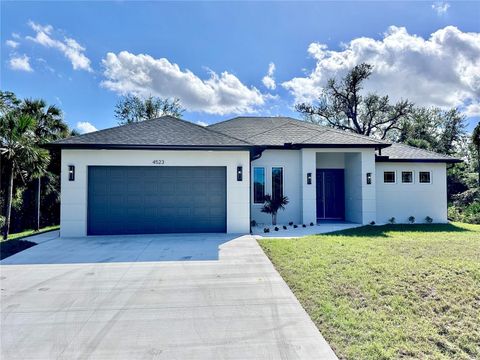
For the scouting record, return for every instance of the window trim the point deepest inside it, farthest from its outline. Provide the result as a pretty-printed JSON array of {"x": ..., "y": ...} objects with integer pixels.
[
  {"x": 430, "y": 177},
  {"x": 283, "y": 178},
  {"x": 264, "y": 184},
  {"x": 394, "y": 177},
  {"x": 413, "y": 177}
]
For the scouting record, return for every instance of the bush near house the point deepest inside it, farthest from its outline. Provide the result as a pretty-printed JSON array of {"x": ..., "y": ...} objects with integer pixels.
[{"x": 389, "y": 292}]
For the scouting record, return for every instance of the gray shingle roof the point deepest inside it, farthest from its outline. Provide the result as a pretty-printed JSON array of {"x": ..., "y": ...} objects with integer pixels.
[
  {"x": 402, "y": 152},
  {"x": 163, "y": 131},
  {"x": 244, "y": 132},
  {"x": 277, "y": 131}
]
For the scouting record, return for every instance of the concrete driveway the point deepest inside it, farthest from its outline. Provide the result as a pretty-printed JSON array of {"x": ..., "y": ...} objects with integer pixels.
[{"x": 123, "y": 298}]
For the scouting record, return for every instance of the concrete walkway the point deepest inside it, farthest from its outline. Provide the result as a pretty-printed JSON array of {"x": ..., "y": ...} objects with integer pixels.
[{"x": 236, "y": 307}]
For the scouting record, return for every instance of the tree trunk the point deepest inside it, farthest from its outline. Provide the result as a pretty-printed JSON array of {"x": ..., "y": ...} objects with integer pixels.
[
  {"x": 274, "y": 219},
  {"x": 39, "y": 188},
  {"x": 8, "y": 205},
  {"x": 478, "y": 158}
]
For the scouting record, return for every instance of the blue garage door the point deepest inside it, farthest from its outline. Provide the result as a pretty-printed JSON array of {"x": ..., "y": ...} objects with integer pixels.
[{"x": 151, "y": 200}]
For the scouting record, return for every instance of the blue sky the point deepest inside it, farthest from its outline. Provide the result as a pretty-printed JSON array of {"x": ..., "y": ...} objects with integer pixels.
[{"x": 215, "y": 56}]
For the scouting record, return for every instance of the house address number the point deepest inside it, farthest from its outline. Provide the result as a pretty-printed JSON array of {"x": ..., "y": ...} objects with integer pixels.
[{"x": 158, "y": 162}]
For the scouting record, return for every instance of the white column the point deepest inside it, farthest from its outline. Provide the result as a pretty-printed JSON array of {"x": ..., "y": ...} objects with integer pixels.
[
  {"x": 309, "y": 193},
  {"x": 369, "y": 205}
]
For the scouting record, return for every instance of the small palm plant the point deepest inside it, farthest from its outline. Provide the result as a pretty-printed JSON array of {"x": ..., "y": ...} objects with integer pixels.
[{"x": 272, "y": 205}]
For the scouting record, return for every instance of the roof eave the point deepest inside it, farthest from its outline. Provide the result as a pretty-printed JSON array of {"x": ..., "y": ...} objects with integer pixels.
[
  {"x": 145, "y": 147},
  {"x": 419, "y": 160}
]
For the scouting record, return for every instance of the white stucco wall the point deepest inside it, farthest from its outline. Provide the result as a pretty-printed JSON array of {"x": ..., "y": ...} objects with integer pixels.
[
  {"x": 330, "y": 160},
  {"x": 419, "y": 200},
  {"x": 353, "y": 188},
  {"x": 360, "y": 198},
  {"x": 290, "y": 161},
  {"x": 73, "y": 215}
]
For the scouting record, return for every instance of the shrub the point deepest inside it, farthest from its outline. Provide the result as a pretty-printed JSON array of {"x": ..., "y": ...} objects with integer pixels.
[
  {"x": 411, "y": 219},
  {"x": 311, "y": 224},
  {"x": 276, "y": 228},
  {"x": 290, "y": 223},
  {"x": 2, "y": 221},
  {"x": 295, "y": 226},
  {"x": 266, "y": 230},
  {"x": 391, "y": 220},
  {"x": 428, "y": 220},
  {"x": 372, "y": 222},
  {"x": 253, "y": 223},
  {"x": 303, "y": 225},
  {"x": 468, "y": 214},
  {"x": 272, "y": 205}
]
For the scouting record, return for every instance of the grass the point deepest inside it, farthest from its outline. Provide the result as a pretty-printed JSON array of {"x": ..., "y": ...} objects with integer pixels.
[
  {"x": 389, "y": 292},
  {"x": 15, "y": 244},
  {"x": 27, "y": 233}
]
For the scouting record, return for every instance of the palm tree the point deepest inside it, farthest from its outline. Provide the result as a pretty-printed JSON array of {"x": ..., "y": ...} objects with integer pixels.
[
  {"x": 476, "y": 142},
  {"x": 49, "y": 127},
  {"x": 272, "y": 205},
  {"x": 20, "y": 152}
]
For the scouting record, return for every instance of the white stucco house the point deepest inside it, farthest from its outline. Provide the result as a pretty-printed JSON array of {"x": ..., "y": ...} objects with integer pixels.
[{"x": 169, "y": 175}]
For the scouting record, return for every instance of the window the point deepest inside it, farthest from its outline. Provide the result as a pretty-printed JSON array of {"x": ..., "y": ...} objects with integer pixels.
[
  {"x": 407, "y": 177},
  {"x": 424, "y": 177},
  {"x": 277, "y": 182},
  {"x": 258, "y": 185},
  {"x": 389, "y": 177}
]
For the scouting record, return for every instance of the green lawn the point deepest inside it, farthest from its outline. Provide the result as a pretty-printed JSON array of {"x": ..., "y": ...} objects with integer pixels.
[
  {"x": 388, "y": 292},
  {"x": 32, "y": 232},
  {"x": 15, "y": 244}
]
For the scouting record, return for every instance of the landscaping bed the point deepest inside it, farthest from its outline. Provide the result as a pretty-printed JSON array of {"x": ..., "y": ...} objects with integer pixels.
[{"x": 393, "y": 291}]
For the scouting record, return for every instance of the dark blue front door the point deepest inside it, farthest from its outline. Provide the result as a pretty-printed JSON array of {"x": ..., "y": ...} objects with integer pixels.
[{"x": 330, "y": 194}]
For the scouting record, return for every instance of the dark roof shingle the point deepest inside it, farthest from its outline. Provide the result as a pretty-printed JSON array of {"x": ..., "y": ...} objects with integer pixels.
[
  {"x": 400, "y": 152},
  {"x": 163, "y": 131},
  {"x": 277, "y": 131}
]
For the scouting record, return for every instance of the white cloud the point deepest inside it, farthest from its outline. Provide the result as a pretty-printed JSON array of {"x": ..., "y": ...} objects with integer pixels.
[
  {"x": 268, "y": 80},
  {"x": 202, "y": 123},
  {"x": 20, "y": 62},
  {"x": 440, "y": 7},
  {"x": 144, "y": 75},
  {"x": 85, "y": 127},
  {"x": 16, "y": 36},
  {"x": 472, "y": 110},
  {"x": 69, "y": 47},
  {"x": 443, "y": 70},
  {"x": 13, "y": 44}
]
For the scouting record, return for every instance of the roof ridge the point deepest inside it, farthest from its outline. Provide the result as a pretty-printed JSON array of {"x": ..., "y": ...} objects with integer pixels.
[
  {"x": 328, "y": 128},
  {"x": 268, "y": 130},
  {"x": 421, "y": 149},
  {"x": 205, "y": 128},
  {"x": 249, "y": 117}
]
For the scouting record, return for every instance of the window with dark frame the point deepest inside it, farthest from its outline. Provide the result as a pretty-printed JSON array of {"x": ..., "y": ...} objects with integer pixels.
[
  {"x": 258, "y": 185},
  {"x": 407, "y": 177},
  {"x": 277, "y": 182},
  {"x": 389, "y": 177},
  {"x": 424, "y": 177}
]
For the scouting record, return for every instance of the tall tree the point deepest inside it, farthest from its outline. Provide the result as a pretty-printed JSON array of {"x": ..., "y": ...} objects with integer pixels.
[
  {"x": 132, "y": 108},
  {"x": 20, "y": 152},
  {"x": 343, "y": 106},
  {"x": 432, "y": 129},
  {"x": 49, "y": 127},
  {"x": 476, "y": 142}
]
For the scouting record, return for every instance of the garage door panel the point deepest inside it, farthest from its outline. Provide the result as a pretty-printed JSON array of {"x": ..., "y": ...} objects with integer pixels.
[{"x": 136, "y": 200}]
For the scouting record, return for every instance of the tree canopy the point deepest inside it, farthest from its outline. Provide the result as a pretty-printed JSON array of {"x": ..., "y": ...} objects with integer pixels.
[
  {"x": 132, "y": 108},
  {"x": 343, "y": 106}
]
